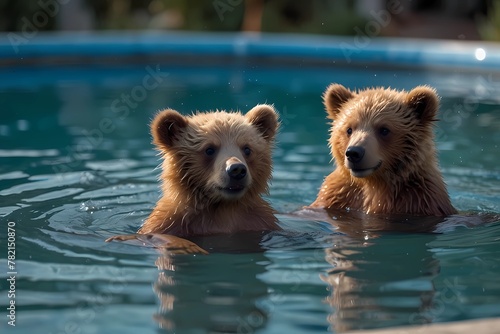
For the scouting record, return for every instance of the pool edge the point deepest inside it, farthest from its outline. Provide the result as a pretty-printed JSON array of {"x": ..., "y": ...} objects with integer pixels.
[{"x": 270, "y": 47}]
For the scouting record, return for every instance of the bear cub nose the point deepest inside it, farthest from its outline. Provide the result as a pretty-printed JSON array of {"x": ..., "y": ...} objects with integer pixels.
[
  {"x": 236, "y": 171},
  {"x": 355, "y": 153}
]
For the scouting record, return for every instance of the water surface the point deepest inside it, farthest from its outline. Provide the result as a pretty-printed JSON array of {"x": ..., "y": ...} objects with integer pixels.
[{"x": 77, "y": 166}]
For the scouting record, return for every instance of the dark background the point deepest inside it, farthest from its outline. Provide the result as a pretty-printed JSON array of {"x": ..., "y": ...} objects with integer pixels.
[{"x": 447, "y": 19}]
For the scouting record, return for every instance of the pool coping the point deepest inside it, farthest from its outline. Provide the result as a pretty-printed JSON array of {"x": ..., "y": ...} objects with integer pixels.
[
  {"x": 483, "y": 326},
  {"x": 18, "y": 48}
]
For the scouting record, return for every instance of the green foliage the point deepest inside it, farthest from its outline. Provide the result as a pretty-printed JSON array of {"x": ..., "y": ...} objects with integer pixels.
[
  {"x": 15, "y": 13},
  {"x": 211, "y": 15},
  {"x": 318, "y": 16},
  {"x": 489, "y": 29}
]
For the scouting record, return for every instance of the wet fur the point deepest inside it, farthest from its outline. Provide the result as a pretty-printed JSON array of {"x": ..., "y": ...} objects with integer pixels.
[
  {"x": 192, "y": 204},
  {"x": 409, "y": 180}
]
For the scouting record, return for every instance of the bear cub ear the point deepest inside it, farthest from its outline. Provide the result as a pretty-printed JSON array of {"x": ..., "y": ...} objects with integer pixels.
[
  {"x": 167, "y": 127},
  {"x": 334, "y": 97},
  {"x": 265, "y": 119},
  {"x": 424, "y": 102}
]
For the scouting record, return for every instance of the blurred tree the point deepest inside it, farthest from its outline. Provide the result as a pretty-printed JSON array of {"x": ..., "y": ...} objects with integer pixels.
[
  {"x": 489, "y": 27},
  {"x": 335, "y": 17},
  {"x": 14, "y": 16},
  {"x": 215, "y": 15},
  {"x": 319, "y": 16},
  {"x": 121, "y": 14}
]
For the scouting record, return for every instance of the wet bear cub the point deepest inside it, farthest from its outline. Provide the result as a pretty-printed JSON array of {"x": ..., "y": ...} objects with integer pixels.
[
  {"x": 216, "y": 167},
  {"x": 382, "y": 142}
]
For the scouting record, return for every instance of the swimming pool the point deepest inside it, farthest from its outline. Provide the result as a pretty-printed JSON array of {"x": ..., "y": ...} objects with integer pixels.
[{"x": 77, "y": 166}]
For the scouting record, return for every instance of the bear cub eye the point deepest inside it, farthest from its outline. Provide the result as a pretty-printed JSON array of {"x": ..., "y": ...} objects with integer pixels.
[
  {"x": 210, "y": 151},
  {"x": 247, "y": 151},
  {"x": 383, "y": 131}
]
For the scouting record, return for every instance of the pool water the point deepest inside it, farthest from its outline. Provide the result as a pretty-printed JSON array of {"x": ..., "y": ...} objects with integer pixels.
[{"x": 77, "y": 166}]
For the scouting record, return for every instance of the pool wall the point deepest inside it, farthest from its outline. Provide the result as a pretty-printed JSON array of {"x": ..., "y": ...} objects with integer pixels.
[{"x": 272, "y": 49}]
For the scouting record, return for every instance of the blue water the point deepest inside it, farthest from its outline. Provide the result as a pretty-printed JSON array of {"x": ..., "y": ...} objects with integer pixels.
[{"x": 77, "y": 166}]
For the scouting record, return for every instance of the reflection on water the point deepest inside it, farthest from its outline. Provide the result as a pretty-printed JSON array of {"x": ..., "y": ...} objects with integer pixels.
[
  {"x": 218, "y": 295},
  {"x": 372, "y": 285},
  {"x": 69, "y": 181}
]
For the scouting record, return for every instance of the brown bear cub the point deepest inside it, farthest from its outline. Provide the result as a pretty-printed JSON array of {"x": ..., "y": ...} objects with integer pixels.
[
  {"x": 216, "y": 166},
  {"x": 382, "y": 141}
]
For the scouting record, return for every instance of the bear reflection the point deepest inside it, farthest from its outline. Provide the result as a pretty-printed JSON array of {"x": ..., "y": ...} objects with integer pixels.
[
  {"x": 380, "y": 279},
  {"x": 216, "y": 293}
]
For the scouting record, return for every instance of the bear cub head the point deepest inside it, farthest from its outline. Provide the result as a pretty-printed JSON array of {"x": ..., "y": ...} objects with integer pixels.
[
  {"x": 382, "y": 133},
  {"x": 217, "y": 156}
]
